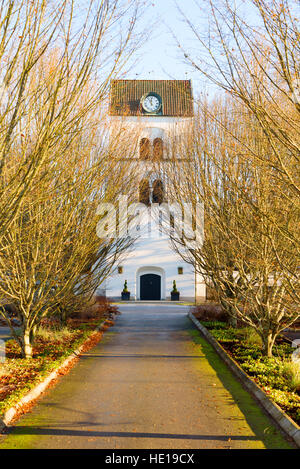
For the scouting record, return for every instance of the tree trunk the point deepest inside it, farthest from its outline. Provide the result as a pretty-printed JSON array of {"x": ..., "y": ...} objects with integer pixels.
[
  {"x": 232, "y": 318},
  {"x": 231, "y": 313},
  {"x": 27, "y": 343},
  {"x": 268, "y": 343}
]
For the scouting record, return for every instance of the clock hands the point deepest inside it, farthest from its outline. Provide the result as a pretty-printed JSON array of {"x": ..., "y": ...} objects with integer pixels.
[{"x": 151, "y": 103}]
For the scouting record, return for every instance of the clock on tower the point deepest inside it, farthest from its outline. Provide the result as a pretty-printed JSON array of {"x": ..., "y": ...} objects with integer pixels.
[{"x": 151, "y": 103}]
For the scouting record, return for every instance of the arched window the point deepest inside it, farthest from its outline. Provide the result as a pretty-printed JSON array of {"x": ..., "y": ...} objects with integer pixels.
[
  {"x": 158, "y": 192},
  {"x": 144, "y": 192},
  {"x": 158, "y": 148},
  {"x": 145, "y": 149}
]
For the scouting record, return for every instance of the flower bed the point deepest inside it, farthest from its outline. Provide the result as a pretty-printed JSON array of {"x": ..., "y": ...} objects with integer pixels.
[
  {"x": 277, "y": 376},
  {"x": 52, "y": 346}
]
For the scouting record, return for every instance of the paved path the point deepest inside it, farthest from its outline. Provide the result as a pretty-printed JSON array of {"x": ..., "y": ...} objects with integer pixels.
[{"x": 151, "y": 383}]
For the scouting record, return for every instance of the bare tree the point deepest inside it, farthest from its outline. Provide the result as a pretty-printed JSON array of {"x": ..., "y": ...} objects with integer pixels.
[
  {"x": 56, "y": 161},
  {"x": 51, "y": 54},
  {"x": 241, "y": 249},
  {"x": 258, "y": 65},
  {"x": 52, "y": 258}
]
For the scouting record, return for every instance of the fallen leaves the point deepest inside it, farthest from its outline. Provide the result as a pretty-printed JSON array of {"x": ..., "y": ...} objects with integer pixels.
[{"x": 18, "y": 375}]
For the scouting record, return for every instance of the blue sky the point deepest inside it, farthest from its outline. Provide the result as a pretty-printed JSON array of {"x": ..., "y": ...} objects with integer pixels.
[{"x": 160, "y": 57}]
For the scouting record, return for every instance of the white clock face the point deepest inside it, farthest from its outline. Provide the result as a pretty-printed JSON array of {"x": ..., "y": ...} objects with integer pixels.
[{"x": 151, "y": 103}]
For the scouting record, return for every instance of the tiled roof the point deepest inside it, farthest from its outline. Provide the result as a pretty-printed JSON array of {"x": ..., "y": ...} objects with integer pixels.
[{"x": 177, "y": 99}]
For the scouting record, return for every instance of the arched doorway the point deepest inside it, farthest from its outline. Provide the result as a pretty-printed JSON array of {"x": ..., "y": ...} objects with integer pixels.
[
  {"x": 150, "y": 283},
  {"x": 150, "y": 287}
]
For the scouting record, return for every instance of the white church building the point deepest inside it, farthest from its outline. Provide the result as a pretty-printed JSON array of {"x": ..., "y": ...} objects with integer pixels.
[{"x": 159, "y": 108}]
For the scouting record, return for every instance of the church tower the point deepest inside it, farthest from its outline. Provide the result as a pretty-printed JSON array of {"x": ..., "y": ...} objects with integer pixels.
[{"x": 158, "y": 108}]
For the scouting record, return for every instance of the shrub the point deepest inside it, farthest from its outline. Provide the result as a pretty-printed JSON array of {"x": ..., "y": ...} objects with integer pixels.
[
  {"x": 9, "y": 308},
  {"x": 291, "y": 371},
  {"x": 105, "y": 307},
  {"x": 216, "y": 325},
  {"x": 48, "y": 334},
  {"x": 289, "y": 402},
  {"x": 210, "y": 312},
  {"x": 249, "y": 336},
  {"x": 278, "y": 376},
  {"x": 223, "y": 334},
  {"x": 98, "y": 309}
]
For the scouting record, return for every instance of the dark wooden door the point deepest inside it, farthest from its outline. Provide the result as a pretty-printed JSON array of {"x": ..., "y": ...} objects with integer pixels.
[{"x": 150, "y": 287}]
